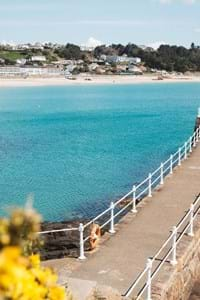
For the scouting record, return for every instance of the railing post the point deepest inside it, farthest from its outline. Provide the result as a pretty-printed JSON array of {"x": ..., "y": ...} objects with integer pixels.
[
  {"x": 190, "y": 144},
  {"x": 149, "y": 266},
  {"x": 197, "y": 136},
  {"x": 185, "y": 156},
  {"x": 161, "y": 174},
  {"x": 174, "y": 234},
  {"x": 194, "y": 140},
  {"x": 82, "y": 254},
  {"x": 134, "y": 210},
  {"x": 179, "y": 157},
  {"x": 112, "y": 225},
  {"x": 191, "y": 227},
  {"x": 171, "y": 164},
  {"x": 150, "y": 188}
]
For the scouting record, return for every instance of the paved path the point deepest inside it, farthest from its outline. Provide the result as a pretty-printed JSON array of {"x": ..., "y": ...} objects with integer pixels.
[{"x": 121, "y": 258}]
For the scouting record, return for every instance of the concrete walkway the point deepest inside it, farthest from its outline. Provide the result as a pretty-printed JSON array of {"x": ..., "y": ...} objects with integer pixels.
[{"x": 123, "y": 256}]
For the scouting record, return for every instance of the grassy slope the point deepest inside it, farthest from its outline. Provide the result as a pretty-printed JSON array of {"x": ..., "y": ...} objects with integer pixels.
[
  {"x": 11, "y": 55},
  {"x": 14, "y": 55}
]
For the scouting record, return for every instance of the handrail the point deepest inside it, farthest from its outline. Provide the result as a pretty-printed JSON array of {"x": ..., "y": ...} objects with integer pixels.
[
  {"x": 138, "y": 191},
  {"x": 97, "y": 217},
  {"x": 123, "y": 198},
  {"x": 57, "y": 230},
  {"x": 157, "y": 170},
  {"x": 190, "y": 217},
  {"x": 141, "y": 183}
]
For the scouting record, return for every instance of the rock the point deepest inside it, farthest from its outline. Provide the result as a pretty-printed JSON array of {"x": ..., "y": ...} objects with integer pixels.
[
  {"x": 65, "y": 243},
  {"x": 60, "y": 244}
]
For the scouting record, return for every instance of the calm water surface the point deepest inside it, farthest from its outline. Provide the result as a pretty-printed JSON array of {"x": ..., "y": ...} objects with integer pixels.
[{"x": 78, "y": 148}]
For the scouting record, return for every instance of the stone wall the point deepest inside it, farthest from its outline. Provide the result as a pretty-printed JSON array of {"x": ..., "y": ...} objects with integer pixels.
[{"x": 176, "y": 283}]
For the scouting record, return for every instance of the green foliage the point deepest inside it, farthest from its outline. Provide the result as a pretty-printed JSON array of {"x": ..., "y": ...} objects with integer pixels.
[
  {"x": 10, "y": 56},
  {"x": 20, "y": 230},
  {"x": 69, "y": 51},
  {"x": 105, "y": 50},
  {"x": 169, "y": 58}
]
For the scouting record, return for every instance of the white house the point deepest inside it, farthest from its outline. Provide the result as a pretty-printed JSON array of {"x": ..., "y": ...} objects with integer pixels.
[
  {"x": 21, "y": 61},
  {"x": 136, "y": 60},
  {"x": 123, "y": 59},
  {"x": 38, "y": 58}
]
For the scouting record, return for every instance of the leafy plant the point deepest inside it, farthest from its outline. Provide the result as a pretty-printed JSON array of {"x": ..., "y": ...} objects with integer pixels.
[{"x": 21, "y": 275}]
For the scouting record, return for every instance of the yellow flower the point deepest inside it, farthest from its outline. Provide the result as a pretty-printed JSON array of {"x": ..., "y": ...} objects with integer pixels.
[
  {"x": 11, "y": 253},
  {"x": 35, "y": 260},
  {"x": 5, "y": 239},
  {"x": 56, "y": 293},
  {"x": 22, "y": 277}
]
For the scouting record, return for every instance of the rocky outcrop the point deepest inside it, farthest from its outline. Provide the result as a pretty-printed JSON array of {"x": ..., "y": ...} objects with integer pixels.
[
  {"x": 65, "y": 243},
  {"x": 60, "y": 244}
]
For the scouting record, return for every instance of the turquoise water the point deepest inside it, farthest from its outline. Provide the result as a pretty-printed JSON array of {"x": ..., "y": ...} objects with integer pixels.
[{"x": 77, "y": 148}]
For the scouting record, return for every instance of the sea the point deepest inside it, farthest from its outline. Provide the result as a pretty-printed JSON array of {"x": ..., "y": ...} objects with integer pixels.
[{"x": 74, "y": 149}]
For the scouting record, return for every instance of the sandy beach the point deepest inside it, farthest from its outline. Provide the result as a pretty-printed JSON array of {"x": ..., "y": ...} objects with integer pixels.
[{"x": 93, "y": 80}]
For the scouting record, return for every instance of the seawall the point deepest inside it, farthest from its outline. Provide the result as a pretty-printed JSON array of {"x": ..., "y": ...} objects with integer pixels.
[{"x": 174, "y": 283}]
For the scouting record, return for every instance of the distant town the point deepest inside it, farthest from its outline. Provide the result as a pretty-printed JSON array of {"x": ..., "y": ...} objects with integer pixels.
[{"x": 48, "y": 59}]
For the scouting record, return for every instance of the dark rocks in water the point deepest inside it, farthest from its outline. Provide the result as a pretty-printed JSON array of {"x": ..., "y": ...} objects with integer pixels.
[
  {"x": 60, "y": 244},
  {"x": 65, "y": 243},
  {"x": 197, "y": 123}
]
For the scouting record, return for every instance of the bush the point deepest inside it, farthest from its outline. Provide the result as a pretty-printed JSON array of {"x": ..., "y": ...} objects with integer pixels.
[{"x": 21, "y": 275}]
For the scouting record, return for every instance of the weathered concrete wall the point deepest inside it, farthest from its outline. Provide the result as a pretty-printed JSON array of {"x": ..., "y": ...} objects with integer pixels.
[{"x": 176, "y": 283}]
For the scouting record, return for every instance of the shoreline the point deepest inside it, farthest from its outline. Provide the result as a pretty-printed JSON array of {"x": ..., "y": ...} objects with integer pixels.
[{"x": 93, "y": 80}]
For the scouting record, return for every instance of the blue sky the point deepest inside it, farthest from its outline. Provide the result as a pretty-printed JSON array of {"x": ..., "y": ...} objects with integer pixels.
[{"x": 137, "y": 21}]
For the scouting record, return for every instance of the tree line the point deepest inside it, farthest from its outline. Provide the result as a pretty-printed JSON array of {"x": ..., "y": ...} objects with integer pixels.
[{"x": 166, "y": 57}]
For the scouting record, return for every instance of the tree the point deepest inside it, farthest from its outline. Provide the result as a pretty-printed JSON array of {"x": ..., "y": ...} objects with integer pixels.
[
  {"x": 131, "y": 50},
  {"x": 192, "y": 46},
  {"x": 70, "y": 51},
  {"x": 104, "y": 50}
]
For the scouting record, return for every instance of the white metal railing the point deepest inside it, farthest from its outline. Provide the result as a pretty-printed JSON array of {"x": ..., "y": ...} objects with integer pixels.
[
  {"x": 135, "y": 195},
  {"x": 143, "y": 283},
  {"x": 57, "y": 230},
  {"x": 143, "y": 189}
]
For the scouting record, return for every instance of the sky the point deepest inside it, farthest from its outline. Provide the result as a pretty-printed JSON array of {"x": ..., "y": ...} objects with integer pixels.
[{"x": 143, "y": 22}]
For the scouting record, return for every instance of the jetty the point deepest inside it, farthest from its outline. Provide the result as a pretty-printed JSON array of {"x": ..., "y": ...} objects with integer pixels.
[{"x": 161, "y": 211}]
